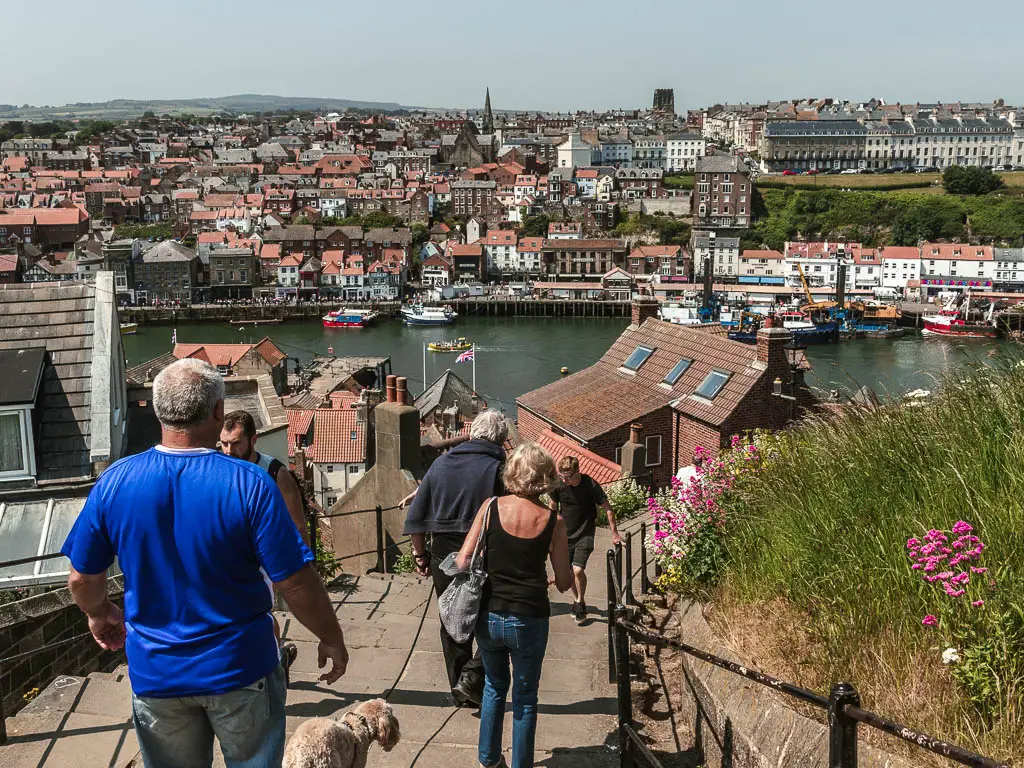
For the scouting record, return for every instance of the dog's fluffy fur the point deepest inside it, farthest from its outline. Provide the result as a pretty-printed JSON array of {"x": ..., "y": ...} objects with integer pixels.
[{"x": 326, "y": 743}]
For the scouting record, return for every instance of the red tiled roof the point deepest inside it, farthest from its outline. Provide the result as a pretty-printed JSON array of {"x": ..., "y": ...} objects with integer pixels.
[
  {"x": 337, "y": 437},
  {"x": 644, "y": 251},
  {"x": 956, "y": 251},
  {"x": 602, "y": 470},
  {"x": 298, "y": 425},
  {"x": 900, "y": 252}
]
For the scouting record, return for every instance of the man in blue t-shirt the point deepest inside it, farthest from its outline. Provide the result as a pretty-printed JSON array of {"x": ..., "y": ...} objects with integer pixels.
[{"x": 191, "y": 529}]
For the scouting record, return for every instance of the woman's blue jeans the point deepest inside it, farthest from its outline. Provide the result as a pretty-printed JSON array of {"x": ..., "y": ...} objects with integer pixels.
[{"x": 521, "y": 640}]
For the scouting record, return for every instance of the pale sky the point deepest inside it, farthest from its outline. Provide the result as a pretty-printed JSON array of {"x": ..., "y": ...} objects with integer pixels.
[{"x": 534, "y": 54}]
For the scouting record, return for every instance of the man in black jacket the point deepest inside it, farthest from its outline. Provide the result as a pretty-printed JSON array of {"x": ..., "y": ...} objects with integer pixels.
[{"x": 444, "y": 506}]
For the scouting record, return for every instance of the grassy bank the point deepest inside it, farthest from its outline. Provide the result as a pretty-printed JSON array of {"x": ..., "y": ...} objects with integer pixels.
[
  {"x": 896, "y": 217},
  {"x": 875, "y": 180},
  {"x": 819, "y": 584}
]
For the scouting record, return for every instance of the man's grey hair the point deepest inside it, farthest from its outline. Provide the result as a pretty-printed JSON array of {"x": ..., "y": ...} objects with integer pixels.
[
  {"x": 489, "y": 425},
  {"x": 185, "y": 394}
]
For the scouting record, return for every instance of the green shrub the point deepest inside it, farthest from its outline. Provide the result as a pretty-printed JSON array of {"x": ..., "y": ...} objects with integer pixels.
[
  {"x": 626, "y": 497},
  {"x": 404, "y": 563}
]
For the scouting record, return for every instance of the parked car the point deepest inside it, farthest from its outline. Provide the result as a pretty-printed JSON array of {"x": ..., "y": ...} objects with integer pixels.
[
  {"x": 848, "y": 171},
  {"x": 812, "y": 172},
  {"x": 789, "y": 172},
  {"x": 867, "y": 170}
]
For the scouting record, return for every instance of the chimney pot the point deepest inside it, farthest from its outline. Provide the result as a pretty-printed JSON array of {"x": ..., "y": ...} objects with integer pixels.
[
  {"x": 635, "y": 430},
  {"x": 402, "y": 391},
  {"x": 392, "y": 388}
]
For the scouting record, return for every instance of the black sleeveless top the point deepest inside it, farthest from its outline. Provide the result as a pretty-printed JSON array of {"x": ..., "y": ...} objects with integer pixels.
[{"x": 517, "y": 577}]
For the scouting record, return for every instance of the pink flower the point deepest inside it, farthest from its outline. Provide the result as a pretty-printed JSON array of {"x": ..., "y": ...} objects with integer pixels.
[
  {"x": 912, "y": 543},
  {"x": 930, "y": 621},
  {"x": 978, "y": 570},
  {"x": 978, "y": 603},
  {"x": 960, "y": 527}
]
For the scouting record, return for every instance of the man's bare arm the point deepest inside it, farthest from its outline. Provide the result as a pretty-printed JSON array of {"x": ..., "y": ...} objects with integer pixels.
[
  {"x": 293, "y": 500},
  {"x": 308, "y": 600}
]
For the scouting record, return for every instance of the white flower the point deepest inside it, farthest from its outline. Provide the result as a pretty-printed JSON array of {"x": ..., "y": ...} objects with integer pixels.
[{"x": 950, "y": 656}]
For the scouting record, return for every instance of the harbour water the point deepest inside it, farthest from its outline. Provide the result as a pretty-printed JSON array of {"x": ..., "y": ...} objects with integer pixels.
[{"x": 518, "y": 354}]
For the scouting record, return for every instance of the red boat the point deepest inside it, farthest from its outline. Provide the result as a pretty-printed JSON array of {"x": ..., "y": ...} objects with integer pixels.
[
  {"x": 349, "y": 318},
  {"x": 954, "y": 319}
]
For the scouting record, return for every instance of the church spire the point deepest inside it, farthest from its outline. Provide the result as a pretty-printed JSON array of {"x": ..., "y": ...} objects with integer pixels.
[{"x": 488, "y": 124}]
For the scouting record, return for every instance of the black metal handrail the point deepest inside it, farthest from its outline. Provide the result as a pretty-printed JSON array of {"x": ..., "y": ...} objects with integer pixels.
[{"x": 842, "y": 704}]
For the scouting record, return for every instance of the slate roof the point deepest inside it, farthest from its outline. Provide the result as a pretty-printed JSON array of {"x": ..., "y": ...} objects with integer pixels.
[
  {"x": 605, "y": 396},
  {"x": 166, "y": 252},
  {"x": 445, "y": 391},
  {"x": 59, "y": 317}
]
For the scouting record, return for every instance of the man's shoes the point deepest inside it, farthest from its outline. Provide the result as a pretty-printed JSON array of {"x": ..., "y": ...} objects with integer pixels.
[
  {"x": 500, "y": 764},
  {"x": 466, "y": 694},
  {"x": 580, "y": 613},
  {"x": 289, "y": 652}
]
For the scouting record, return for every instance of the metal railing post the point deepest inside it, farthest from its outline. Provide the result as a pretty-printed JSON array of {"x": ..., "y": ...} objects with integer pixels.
[
  {"x": 627, "y": 757},
  {"x": 379, "y": 567},
  {"x": 618, "y": 571},
  {"x": 627, "y": 587},
  {"x": 645, "y": 584},
  {"x": 842, "y": 729},
  {"x": 609, "y": 563},
  {"x": 657, "y": 565}
]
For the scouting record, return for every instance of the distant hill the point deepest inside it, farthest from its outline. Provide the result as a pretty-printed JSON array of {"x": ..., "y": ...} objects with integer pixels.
[{"x": 247, "y": 102}]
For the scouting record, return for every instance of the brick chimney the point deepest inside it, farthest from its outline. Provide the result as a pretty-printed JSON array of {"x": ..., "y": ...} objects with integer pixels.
[
  {"x": 770, "y": 352},
  {"x": 634, "y": 453},
  {"x": 644, "y": 307},
  {"x": 397, "y": 433}
]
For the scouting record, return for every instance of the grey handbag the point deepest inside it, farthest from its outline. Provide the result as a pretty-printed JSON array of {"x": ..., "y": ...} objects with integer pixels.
[{"x": 459, "y": 605}]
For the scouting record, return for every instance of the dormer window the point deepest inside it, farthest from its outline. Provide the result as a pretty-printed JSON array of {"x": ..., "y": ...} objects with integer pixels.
[
  {"x": 18, "y": 394},
  {"x": 638, "y": 358}
]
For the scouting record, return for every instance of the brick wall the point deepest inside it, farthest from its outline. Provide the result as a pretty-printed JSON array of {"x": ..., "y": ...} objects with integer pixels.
[
  {"x": 38, "y": 621},
  {"x": 690, "y": 433}
]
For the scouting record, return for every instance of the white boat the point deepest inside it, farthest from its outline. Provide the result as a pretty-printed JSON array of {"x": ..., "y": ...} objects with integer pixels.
[
  {"x": 680, "y": 313},
  {"x": 417, "y": 314}
]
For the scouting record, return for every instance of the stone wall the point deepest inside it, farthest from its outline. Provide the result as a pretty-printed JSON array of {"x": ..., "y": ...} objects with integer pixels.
[
  {"x": 738, "y": 723},
  {"x": 37, "y": 621}
]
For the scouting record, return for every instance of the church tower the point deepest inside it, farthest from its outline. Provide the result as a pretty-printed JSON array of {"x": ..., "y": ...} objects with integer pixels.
[{"x": 488, "y": 123}]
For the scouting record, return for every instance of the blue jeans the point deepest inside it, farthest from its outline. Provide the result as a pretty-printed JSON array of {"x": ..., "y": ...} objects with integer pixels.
[
  {"x": 248, "y": 723},
  {"x": 504, "y": 637}
]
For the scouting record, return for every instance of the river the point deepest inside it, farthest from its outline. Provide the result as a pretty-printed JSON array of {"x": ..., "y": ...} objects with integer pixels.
[{"x": 518, "y": 354}]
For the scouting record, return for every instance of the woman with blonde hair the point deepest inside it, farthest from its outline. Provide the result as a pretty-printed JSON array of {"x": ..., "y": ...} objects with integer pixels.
[{"x": 522, "y": 534}]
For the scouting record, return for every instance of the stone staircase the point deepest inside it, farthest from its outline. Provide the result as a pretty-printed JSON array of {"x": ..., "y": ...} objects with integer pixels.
[{"x": 391, "y": 629}]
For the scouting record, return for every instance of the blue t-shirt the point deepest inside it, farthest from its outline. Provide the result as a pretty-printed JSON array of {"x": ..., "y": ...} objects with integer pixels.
[{"x": 191, "y": 531}]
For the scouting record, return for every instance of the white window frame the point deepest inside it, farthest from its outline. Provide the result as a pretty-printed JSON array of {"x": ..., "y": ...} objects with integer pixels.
[
  {"x": 647, "y": 443},
  {"x": 28, "y": 454}
]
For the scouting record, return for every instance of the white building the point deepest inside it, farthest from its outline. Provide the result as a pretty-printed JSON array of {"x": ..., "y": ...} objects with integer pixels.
[
  {"x": 901, "y": 267},
  {"x": 1008, "y": 269},
  {"x": 682, "y": 151},
  {"x": 574, "y": 152},
  {"x": 955, "y": 266},
  {"x": 820, "y": 263},
  {"x": 288, "y": 271},
  {"x": 649, "y": 151},
  {"x": 338, "y": 450},
  {"x": 528, "y": 252},
  {"x": 500, "y": 250},
  {"x": 725, "y": 255}
]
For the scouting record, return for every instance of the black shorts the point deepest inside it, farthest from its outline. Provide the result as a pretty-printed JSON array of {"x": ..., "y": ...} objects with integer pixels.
[{"x": 580, "y": 550}]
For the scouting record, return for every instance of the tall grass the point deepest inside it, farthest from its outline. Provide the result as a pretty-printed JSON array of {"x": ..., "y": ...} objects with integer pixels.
[{"x": 824, "y": 528}]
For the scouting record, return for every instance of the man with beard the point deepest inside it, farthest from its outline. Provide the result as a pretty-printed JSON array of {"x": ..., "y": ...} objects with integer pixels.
[{"x": 238, "y": 440}]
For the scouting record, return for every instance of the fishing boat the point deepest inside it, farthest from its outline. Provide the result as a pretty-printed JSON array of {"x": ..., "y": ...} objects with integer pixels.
[
  {"x": 804, "y": 331},
  {"x": 450, "y": 345},
  {"x": 417, "y": 314},
  {"x": 129, "y": 329},
  {"x": 349, "y": 318},
  {"x": 956, "y": 319}
]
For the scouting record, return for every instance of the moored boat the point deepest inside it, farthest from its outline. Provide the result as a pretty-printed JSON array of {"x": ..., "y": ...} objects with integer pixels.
[
  {"x": 955, "y": 319},
  {"x": 417, "y": 314},
  {"x": 128, "y": 329},
  {"x": 349, "y": 318}
]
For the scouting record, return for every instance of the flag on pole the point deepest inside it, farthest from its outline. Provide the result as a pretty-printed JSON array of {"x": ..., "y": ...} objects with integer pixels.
[
  {"x": 174, "y": 336},
  {"x": 467, "y": 356}
]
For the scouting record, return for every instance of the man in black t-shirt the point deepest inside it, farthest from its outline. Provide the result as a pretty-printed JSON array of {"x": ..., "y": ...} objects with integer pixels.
[{"x": 577, "y": 500}]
